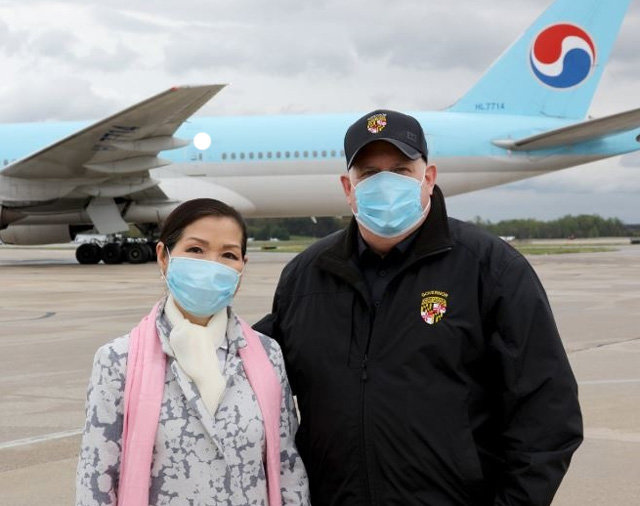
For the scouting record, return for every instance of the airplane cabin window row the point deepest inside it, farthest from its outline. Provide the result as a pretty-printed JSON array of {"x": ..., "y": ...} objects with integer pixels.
[{"x": 269, "y": 155}]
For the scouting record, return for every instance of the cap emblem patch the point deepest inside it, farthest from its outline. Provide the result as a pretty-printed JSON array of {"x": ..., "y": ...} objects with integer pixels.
[
  {"x": 433, "y": 306},
  {"x": 376, "y": 123}
]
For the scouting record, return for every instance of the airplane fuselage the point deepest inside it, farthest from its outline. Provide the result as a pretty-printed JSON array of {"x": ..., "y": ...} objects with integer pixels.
[{"x": 289, "y": 165}]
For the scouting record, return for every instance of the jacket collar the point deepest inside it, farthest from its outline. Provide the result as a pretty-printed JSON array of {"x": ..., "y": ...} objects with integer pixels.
[{"x": 433, "y": 237}]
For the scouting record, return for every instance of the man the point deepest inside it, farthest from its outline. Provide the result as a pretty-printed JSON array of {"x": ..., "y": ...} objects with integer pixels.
[{"x": 423, "y": 351}]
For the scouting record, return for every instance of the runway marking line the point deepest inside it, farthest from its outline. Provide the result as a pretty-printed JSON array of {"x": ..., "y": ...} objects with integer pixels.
[
  {"x": 48, "y": 314},
  {"x": 39, "y": 439},
  {"x": 609, "y": 381}
]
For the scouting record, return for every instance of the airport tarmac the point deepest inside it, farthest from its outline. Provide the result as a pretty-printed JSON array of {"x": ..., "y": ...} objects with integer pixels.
[{"x": 54, "y": 314}]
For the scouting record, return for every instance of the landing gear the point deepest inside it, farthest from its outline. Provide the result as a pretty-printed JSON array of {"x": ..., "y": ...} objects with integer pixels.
[
  {"x": 112, "y": 253},
  {"x": 117, "y": 250},
  {"x": 137, "y": 253},
  {"x": 88, "y": 253}
]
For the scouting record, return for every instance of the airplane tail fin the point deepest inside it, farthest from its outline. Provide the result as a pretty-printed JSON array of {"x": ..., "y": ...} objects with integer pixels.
[{"x": 553, "y": 69}]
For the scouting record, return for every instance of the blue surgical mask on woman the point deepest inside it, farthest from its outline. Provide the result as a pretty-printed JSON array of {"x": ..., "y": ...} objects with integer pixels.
[
  {"x": 389, "y": 204},
  {"x": 201, "y": 287}
]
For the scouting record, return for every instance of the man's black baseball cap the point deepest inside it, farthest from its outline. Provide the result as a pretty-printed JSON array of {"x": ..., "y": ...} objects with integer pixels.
[{"x": 401, "y": 130}]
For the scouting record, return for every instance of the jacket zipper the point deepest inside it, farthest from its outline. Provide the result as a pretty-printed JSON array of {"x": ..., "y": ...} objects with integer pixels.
[
  {"x": 363, "y": 380},
  {"x": 364, "y": 377}
]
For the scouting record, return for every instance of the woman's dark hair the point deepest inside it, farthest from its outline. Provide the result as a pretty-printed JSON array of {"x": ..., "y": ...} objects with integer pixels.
[{"x": 192, "y": 210}]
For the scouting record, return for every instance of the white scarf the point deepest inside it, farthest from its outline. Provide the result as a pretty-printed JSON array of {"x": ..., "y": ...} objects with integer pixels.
[{"x": 195, "y": 348}]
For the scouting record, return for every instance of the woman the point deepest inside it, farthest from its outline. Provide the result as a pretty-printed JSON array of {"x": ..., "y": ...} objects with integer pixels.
[{"x": 188, "y": 408}]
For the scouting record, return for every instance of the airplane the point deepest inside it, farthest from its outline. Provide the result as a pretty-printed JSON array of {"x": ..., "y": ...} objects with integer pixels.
[{"x": 523, "y": 118}]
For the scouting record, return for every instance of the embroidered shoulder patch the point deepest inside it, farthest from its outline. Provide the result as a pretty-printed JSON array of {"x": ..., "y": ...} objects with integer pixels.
[{"x": 433, "y": 306}]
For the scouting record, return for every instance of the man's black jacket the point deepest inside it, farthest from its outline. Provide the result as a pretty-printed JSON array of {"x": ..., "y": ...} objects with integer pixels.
[{"x": 455, "y": 391}]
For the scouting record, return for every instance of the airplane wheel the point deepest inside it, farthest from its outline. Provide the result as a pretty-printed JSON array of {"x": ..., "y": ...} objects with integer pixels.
[
  {"x": 137, "y": 253},
  {"x": 88, "y": 253},
  {"x": 112, "y": 253}
]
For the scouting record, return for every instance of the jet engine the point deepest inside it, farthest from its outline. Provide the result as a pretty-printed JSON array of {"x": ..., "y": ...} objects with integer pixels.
[
  {"x": 8, "y": 215},
  {"x": 36, "y": 234}
]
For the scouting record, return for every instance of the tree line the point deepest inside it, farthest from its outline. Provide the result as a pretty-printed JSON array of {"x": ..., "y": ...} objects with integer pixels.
[
  {"x": 582, "y": 226},
  {"x": 263, "y": 229}
]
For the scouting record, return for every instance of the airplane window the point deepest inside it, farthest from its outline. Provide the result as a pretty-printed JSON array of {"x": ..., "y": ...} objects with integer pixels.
[
  {"x": 224, "y": 156},
  {"x": 260, "y": 155},
  {"x": 296, "y": 154},
  {"x": 342, "y": 152},
  {"x": 286, "y": 154},
  {"x": 314, "y": 154},
  {"x": 277, "y": 154},
  {"x": 251, "y": 156},
  {"x": 333, "y": 152},
  {"x": 324, "y": 153},
  {"x": 305, "y": 154},
  {"x": 269, "y": 154},
  {"x": 233, "y": 156},
  {"x": 241, "y": 156}
]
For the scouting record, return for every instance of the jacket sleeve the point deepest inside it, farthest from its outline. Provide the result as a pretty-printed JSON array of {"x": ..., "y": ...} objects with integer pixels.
[
  {"x": 542, "y": 423},
  {"x": 99, "y": 461},
  {"x": 294, "y": 484}
]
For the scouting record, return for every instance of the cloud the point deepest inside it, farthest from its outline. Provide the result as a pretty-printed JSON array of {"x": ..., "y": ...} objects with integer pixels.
[
  {"x": 270, "y": 49},
  {"x": 609, "y": 188},
  {"x": 106, "y": 61},
  {"x": 609, "y": 175},
  {"x": 420, "y": 35},
  {"x": 506, "y": 202},
  {"x": 127, "y": 21},
  {"x": 71, "y": 51},
  {"x": 284, "y": 54},
  {"x": 60, "y": 98},
  {"x": 58, "y": 44},
  {"x": 11, "y": 41},
  {"x": 72, "y": 59}
]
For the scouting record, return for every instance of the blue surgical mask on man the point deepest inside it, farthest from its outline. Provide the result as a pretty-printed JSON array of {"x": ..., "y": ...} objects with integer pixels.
[
  {"x": 389, "y": 204},
  {"x": 201, "y": 287}
]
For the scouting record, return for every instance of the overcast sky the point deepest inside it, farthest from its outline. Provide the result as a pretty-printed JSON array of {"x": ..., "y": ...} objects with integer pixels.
[{"x": 71, "y": 60}]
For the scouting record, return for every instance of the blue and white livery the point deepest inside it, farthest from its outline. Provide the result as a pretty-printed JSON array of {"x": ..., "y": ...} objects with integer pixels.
[{"x": 524, "y": 117}]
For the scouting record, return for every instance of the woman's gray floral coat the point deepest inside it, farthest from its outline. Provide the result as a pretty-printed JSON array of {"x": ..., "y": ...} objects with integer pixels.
[{"x": 198, "y": 459}]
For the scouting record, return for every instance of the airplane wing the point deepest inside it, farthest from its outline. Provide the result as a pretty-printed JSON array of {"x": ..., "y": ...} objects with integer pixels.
[
  {"x": 109, "y": 159},
  {"x": 116, "y": 154},
  {"x": 574, "y": 134}
]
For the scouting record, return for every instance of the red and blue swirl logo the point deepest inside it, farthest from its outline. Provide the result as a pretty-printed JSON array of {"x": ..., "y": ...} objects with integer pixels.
[{"x": 562, "y": 55}]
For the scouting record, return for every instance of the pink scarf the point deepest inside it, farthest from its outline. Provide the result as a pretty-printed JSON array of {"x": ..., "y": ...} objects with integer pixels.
[{"x": 143, "y": 391}]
